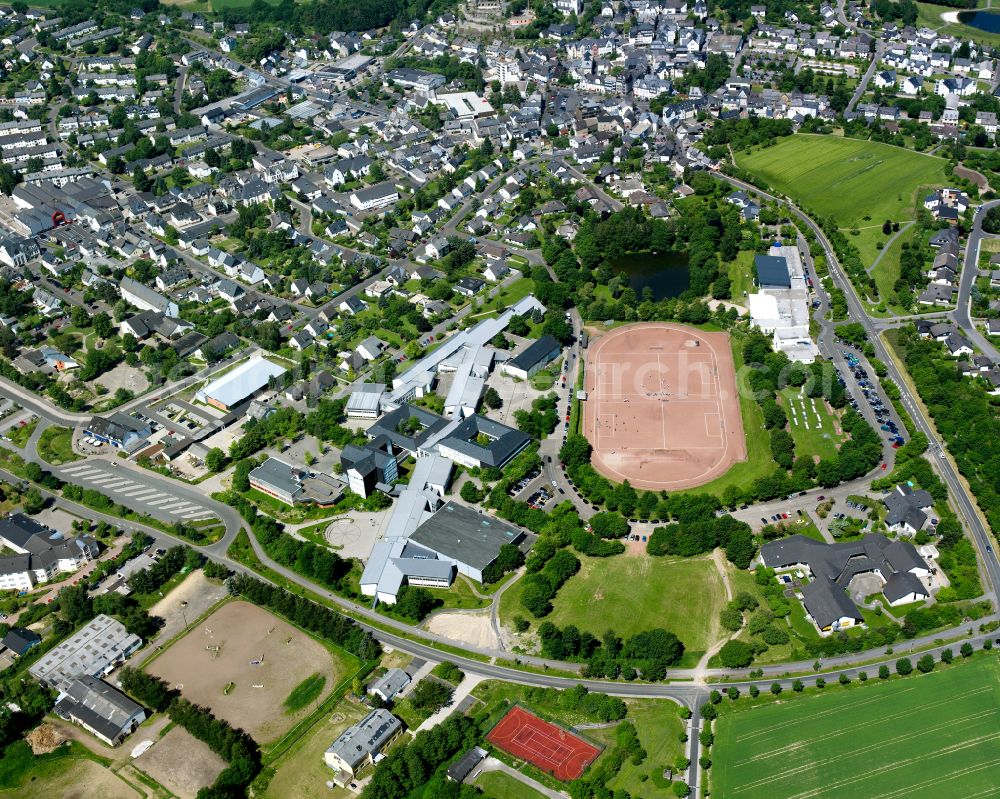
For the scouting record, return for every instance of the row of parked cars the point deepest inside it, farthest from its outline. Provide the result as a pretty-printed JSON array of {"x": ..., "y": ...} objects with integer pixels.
[{"x": 887, "y": 425}]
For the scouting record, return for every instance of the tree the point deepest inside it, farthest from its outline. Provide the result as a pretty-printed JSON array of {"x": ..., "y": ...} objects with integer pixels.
[
  {"x": 883, "y": 672},
  {"x": 735, "y": 655},
  {"x": 926, "y": 664},
  {"x": 492, "y": 399},
  {"x": 431, "y": 694},
  {"x": 103, "y": 326},
  {"x": 215, "y": 459},
  {"x": 966, "y": 650},
  {"x": 32, "y": 502},
  {"x": 776, "y": 688},
  {"x": 797, "y": 686},
  {"x": 904, "y": 667}
]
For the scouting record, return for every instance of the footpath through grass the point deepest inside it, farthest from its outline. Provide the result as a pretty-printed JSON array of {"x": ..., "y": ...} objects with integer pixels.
[
  {"x": 848, "y": 179},
  {"x": 924, "y": 735}
]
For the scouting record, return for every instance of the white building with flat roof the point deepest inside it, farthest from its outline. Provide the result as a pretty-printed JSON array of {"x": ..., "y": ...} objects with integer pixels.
[
  {"x": 93, "y": 650},
  {"x": 240, "y": 384},
  {"x": 783, "y": 312}
]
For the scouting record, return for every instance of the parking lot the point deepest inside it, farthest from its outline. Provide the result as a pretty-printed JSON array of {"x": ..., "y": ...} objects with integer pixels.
[
  {"x": 882, "y": 414},
  {"x": 116, "y": 482}
]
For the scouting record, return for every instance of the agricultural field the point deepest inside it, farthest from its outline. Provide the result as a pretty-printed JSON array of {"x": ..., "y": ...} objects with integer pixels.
[
  {"x": 814, "y": 428},
  {"x": 920, "y": 736},
  {"x": 252, "y": 669},
  {"x": 847, "y": 178},
  {"x": 632, "y": 593}
]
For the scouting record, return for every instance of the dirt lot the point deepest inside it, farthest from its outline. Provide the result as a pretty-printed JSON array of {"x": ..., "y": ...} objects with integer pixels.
[
  {"x": 474, "y": 629},
  {"x": 122, "y": 376},
  {"x": 221, "y": 650},
  {"x": 198, "y": 592},
  {"x": 180, "y": 763}
]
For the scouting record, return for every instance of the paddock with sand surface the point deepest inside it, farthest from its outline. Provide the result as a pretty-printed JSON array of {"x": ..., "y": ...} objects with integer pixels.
[
  {"x": 243, "y": 663},
  {"x": 662, "y": 410}
]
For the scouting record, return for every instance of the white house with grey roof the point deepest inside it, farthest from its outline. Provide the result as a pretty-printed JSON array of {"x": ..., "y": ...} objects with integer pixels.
[
  {"x": 359, "y": 745},
  {"x": 145, "y": 298},
  {"x": 389, "y": 684}
]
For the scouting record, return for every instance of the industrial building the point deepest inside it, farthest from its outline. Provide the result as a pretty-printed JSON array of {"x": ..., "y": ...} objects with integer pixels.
[
  {"x": 781, "y": 306},
  {"x": 94, "y": 650},
  {"x": 241, "y": 384}
]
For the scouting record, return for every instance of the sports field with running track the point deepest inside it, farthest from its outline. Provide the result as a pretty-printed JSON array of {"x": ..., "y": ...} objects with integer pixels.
[{"x": 934, "y": 734}]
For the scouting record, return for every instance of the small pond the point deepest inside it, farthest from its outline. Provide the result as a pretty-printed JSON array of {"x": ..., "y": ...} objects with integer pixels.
[
  {"x": 665, "y": 273},
  {"x": 981, "y": 20}
]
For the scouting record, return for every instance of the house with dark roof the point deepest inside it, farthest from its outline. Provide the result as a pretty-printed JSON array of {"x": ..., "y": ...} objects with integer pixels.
[
  {"x": 833, "y": 567},
  {"x": 408, "y": 427},
  {"x": 19, "y": 640},
  {"x": 772, "y": 271},
  {"x": 907, "y": 509},
  {"x": 532, "y": 358},
  {"x": 369, "y": 467}
]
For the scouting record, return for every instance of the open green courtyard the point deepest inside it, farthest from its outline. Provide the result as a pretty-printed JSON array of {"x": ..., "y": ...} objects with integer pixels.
[
  {"x": 632, "y": 593},
  {"x": 925, "y": 735},
  {"x": 855, "y": 182}
]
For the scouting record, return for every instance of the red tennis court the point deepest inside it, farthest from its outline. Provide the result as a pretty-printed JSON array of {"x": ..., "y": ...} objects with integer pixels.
[{"x": 550, "y": 748}]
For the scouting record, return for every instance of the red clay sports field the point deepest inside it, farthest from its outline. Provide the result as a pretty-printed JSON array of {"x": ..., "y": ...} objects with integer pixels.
[
  {"x": 550, "y": 748},
  {"x": 662, "y": 409}
]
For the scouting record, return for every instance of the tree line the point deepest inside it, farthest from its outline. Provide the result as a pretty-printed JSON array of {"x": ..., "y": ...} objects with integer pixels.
[
  {"x": 647, "y": 654},
  {"x": 310, "y": 616}
]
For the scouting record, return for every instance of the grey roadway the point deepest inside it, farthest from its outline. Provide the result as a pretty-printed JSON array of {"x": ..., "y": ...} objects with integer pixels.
[
  {"x": 863, "y": 83},
  {"x": 964, "y": 504},
  {"x": 970, "y": 270}
]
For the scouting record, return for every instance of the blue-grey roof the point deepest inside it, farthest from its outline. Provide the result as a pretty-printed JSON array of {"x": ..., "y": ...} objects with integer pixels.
[{"x": 772, "y": 270}]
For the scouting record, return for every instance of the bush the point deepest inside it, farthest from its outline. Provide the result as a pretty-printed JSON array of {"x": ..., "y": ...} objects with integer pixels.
[{"x": 904, "y": 667}]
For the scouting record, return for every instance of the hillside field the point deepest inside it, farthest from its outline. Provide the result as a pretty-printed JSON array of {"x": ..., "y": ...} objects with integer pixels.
[
  {"x": 925, "y": 735},
  {"x": 847, "y": 179}
]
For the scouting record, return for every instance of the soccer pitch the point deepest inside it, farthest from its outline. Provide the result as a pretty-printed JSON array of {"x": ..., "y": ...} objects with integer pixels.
[
  {"x": 928, "y": 735},
  {"x": 847, "y": 179}
]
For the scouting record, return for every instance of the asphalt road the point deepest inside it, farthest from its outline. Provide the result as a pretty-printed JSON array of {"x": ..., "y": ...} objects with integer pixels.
[{"x": 970, "y": 270}]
